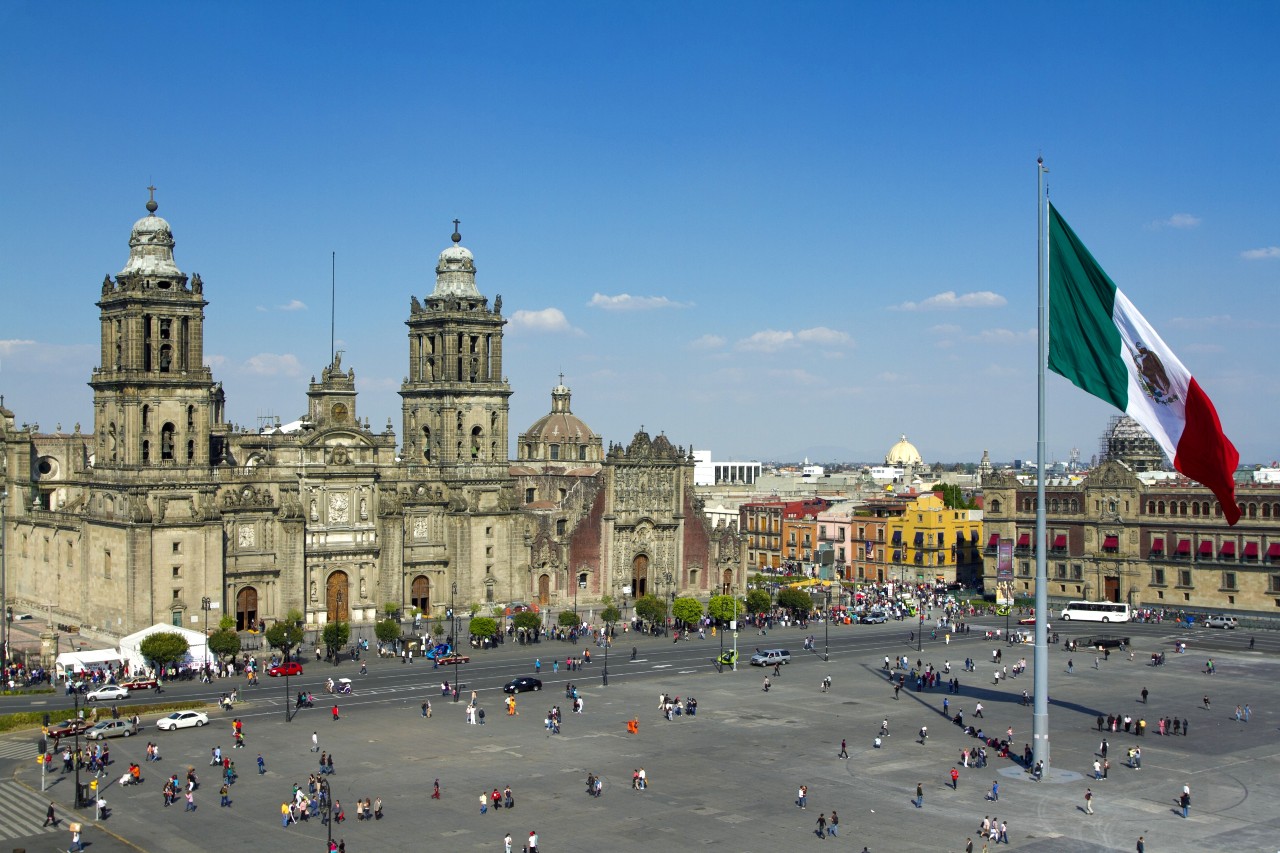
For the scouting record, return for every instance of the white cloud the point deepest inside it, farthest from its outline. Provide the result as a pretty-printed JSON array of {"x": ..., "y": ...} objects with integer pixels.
[
  {"x": 949, "y": 300},
  {"x": 545, "y": 320},
  {"x": 213, "y": 362},
  {"x": 273, "y": 364},
  {"x": 708, "y": 342},
  {"x": 293, "y": 305},
  {"x": 1269, "y": 253},
  {"x": 1178, "y": 220},
  {"x": 13, "y": 345},
  {"x": 627, "y": 302},
  {"x": 1004, "y": 336},
  {"x": 823, "y": 335},
  {"x": 773, "y": 340},
  {"x": 21, "y": 355}
]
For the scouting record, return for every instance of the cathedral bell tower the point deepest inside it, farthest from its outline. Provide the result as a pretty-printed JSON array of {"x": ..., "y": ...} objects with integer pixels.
[
  {"x": 455, "y": 398},
  {"x": 154, "y": 401}
]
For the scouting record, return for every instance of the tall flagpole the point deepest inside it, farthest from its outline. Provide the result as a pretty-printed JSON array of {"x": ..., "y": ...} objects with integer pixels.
[{"x": 1040, "y": 710}]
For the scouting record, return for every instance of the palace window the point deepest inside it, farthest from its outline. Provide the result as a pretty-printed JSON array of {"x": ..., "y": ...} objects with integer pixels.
[
  {"x": 1229, "y": 580},
  {"x": 1184, "y": 577},
  {"x": 1157, "y": 577}
]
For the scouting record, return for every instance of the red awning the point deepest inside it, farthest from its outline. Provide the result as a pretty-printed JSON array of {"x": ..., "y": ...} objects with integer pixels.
[
  {"x": 1206, "y": 547},
  {"x": 1157, "y": 545},
  {"x": 1111, "y": 542},
  {"x": 1273, "y": 551},
  {"x": 1184, "y": 546},
  {"x": 1060, "y": 541},
  {"x": 1251, "y": 549},
  {"x": 1024, "y": 540},
  {"x": 1228, "y": 549},
  {"x": 994, "y": 540}
]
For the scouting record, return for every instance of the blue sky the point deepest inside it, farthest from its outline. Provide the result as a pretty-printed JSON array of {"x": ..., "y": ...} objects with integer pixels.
[{"x": 765, "y": 229}]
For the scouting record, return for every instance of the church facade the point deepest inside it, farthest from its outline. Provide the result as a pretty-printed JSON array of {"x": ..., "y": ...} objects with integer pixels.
[{"x": 164, "y": 512}]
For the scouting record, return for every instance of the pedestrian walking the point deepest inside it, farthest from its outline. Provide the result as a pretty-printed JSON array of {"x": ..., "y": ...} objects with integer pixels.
[
  {"x": 50, "y": 817},
  {"x": 1088, "y": 801},
  {"x": 844, "y": 749},
  {"x": 1103, "y": 749},
  {"x": 1247, "y": 712},
  {"x": 822, "y": 826},
  {"x": 315, "y": 742},
  {"x": 955, "y": 779},
  {"x": 1097, "y": 770},
  {"x": 995, "y": 790},
  {"x": 1206, "y": 701},
  {"x": 335, "y": 712},
  {"x": 924, "y": 734},
  {"x": 1144, "y": 696},
  {"x": 802, "y": 796},
  {"x": 835, "y": 824},
  {"x": 1142, "y": 845},
  {"x": 919, "y": 795},
  {"x": 1106, "y": 766},
  {"x": 191, "y": 801},
  {"x": 1185, "y": 802}
]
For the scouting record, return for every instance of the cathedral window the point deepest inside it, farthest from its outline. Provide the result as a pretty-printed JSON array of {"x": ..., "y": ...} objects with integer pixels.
[
  {"x": 166, "y": 358},
  {"x": 146, "y": 451},
  {"x": 191, "y": 451},
  {"x": 554, "y": 451},
  {"x": 146, "y": 418},
  {"x": 476, "y": 436},
  {"x": 530, "y": 495},
  {"x": 106, "y": 564},
  {"x": 166, "y": 442},
  {"x": 561, "y": 525},
  {"x": 582, "y": 453},
  {"x": 191, "y": 418},
  {"x": 426, "y": 443}
]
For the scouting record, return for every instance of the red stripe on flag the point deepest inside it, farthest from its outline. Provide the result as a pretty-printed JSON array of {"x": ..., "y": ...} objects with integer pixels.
[{"x": 1205, "y": 454}]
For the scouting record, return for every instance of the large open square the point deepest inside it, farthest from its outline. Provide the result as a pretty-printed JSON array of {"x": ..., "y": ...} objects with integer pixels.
[{"x": 728, "y": 777}]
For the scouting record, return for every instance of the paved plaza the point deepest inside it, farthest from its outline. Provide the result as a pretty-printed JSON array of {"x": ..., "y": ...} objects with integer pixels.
[{"x": 726, "y": 778}]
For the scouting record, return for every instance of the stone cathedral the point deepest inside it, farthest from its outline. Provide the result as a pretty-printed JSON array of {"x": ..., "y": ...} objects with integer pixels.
[{"x": 162, "y": 503}]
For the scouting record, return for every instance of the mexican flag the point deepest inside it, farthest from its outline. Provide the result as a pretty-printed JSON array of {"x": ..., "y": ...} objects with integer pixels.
[{"x": 1102, "y": 344}]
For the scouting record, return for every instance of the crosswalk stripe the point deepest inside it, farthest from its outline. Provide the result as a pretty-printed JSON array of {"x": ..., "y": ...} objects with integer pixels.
[
  {"x": 22, "y": 812},
  {"x": 17, "y": 749}
]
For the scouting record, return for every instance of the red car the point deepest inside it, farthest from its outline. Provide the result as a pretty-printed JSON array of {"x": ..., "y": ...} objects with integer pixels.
[
  {"x": 290, "y": 668},
  {"x": 67, "y": 728},
  {"x": 139, "y": 684}
]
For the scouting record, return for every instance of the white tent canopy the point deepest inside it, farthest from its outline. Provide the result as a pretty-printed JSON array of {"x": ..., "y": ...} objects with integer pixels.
[
  {"x": 74, "y": 662},
  {"x": 197, "y": 655}
]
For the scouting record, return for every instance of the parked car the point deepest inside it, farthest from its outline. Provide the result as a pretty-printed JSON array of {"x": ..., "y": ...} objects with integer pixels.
[
  {"x": 1103, "y": 641},
  {"x": 182, "y": 720},
  {"x": 1227, "y": 622},
  {"x": 873, "y": 617},
  {"x": 521, "y": 684},
  {"x": 288, "y": 668},
  {"x": 771, "y": 657},
  {"x": 112, "y": 728},
  {"x": 67, "y": 728},
  {"x": 439, "y": 650},
  {"x": 108, "y": 693}
]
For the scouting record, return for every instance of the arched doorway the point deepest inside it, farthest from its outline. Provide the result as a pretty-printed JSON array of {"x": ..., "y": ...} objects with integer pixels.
[
  {"x": 247, "y": 609},
  {"x": 337, "y": 597},
  {"x": 544, "y": 590},
  {"x": 726, "y": 582},
  {"x": 640, "y": 575},
  {"x": 420, "y": 593}
]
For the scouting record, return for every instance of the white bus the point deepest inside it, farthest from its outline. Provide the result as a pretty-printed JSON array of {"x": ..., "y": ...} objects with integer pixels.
[{"x": 1095, "y": 611}]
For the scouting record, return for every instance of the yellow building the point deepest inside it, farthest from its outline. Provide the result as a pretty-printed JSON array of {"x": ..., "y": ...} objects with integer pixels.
[{"x": 930, "y": 542}]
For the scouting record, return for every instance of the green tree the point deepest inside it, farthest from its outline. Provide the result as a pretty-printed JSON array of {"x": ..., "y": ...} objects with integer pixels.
[
  {"x": 610, "y": 615},
  {"x": 227, "y": 622},
  {"x": 953, "y": 496},
  {"x": 757, "y": 601},
  {"x": 164, "y": 648},
  {"x": 286, "y": 634},
  {"x": 335, "y": 635},
  {"x": 474, "y": 608},
  {"x": 391, "y": 609},
  {"x": 724, "y": 607},
  {"x": 387, "y": 631},
  {"x": 527, "y": 620},
  {"x": 438, "y": 629},
  {"x": 225, "y": 642},
  {"x": 651, "y": 608},
  {"x": 567, "y": 618},
  {"x": 795, "y": 600},
  {"x": 687, "y": 610},
  {"x": 484, "y": 626}
]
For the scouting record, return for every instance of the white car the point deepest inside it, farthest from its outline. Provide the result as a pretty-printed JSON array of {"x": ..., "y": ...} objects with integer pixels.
[
  {"x": 182, "y": 720},
  {"x": 109, "y": 692}
]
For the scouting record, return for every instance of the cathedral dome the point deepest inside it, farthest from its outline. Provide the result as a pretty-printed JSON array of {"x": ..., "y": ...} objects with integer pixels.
[
  {"x": 903, "y": 453},
  {"x": 456, "y": 271},
  {"x": 151, "y": 246},
  {"x": 560, "y": 424}
]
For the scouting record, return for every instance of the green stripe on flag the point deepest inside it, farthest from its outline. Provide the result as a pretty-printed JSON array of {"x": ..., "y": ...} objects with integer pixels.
[{"x": 1084, "y": 344}]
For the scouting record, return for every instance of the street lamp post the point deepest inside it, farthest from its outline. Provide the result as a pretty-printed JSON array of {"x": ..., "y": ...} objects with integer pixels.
[
  {"x": 76, "y": 701},
  {"x": 288, "y": 694},
  {"x": 205, "y": 604},
  {"x": 826, "y": 629},
  {"x": 604, "y": 675},
  {"x": 453, "y": 629},
  {"x": 672, "y": 617},
  {"x": 328, "y": 809},
  {"x": 4, "y": 592}
]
